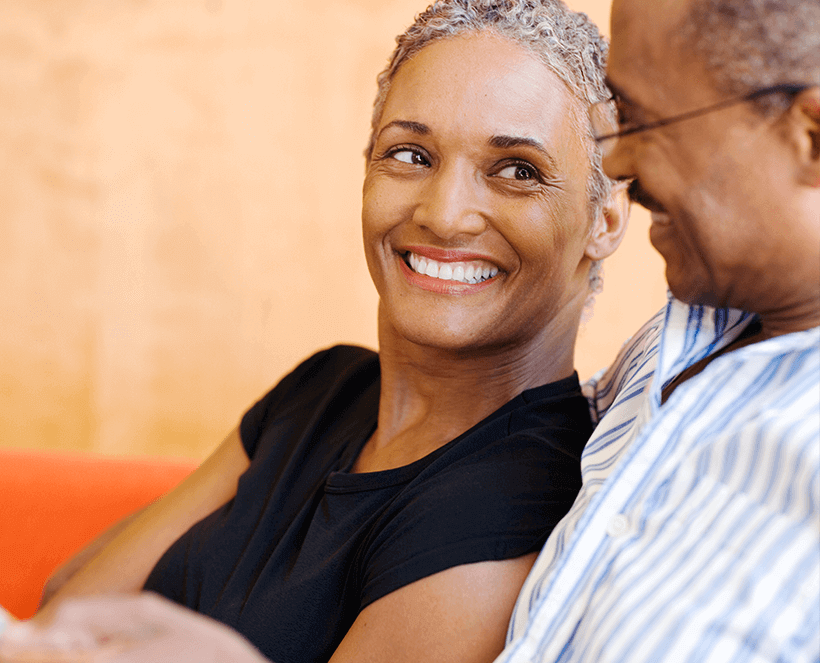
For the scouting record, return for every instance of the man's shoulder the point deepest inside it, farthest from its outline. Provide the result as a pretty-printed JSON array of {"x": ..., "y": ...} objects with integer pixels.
[
  {"x": 635, "y": 364},
  {"x": 676, "y": 337}
]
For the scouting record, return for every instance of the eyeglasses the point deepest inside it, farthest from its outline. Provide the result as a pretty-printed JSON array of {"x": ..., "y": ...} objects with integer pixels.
[{"x": 602, "y": 115}]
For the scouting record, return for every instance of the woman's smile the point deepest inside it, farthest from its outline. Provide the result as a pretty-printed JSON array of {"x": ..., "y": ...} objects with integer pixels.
[
  {"x": 446, "y": 271},
  {"x": 464, "y": 272}
]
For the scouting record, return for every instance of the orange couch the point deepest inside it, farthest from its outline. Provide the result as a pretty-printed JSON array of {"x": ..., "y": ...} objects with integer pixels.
[{"x": 53, "y": 503}]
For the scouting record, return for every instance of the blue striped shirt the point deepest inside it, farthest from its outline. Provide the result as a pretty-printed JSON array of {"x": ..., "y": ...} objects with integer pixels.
[{"x": 696, "y": 535}]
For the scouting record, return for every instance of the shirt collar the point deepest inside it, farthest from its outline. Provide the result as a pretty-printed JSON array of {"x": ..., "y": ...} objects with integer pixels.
[{"x": 690, "y": 333}]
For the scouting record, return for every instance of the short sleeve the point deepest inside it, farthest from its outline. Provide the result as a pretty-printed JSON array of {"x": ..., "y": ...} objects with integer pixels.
[
  {"x": 309, "y": 388},
  {"x": 498, "y": 503}
]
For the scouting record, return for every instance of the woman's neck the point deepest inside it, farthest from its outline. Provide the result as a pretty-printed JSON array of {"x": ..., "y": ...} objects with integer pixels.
[{"x": 429, "y": 396}]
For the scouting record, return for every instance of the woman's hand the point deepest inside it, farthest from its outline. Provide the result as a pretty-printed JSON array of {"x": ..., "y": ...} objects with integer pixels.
[{"x": 124, "y": 629}]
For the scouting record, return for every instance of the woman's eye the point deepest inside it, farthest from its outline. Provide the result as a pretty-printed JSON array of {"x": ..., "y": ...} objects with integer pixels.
[
  {"x": 518, "y": 172},
  {"x": 409, "y": 156}
]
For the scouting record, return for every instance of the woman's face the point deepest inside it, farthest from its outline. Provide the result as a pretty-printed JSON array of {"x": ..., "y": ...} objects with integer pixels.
[{"x": 475, "y": 211}]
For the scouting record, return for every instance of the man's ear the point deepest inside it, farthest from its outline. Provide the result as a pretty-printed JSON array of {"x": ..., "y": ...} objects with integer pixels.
[
  {"x": 803, "y": 129},
  {"x": 610, "y": 227}
]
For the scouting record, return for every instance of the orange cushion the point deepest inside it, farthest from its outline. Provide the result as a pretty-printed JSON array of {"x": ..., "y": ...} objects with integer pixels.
[{"x": 53, "y": 503}]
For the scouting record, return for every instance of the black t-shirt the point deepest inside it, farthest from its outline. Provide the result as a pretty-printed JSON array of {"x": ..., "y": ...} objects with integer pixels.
[{"x": 305, "y": 545}]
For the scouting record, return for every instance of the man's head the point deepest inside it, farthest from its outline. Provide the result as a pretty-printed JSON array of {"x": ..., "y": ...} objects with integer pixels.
[
  {"x": 735, "y": 192},
  {"x": 754, "y": 44}
]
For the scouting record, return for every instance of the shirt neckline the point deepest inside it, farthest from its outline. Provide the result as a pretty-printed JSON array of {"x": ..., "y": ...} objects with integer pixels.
[{"x": 343, "y": 480}]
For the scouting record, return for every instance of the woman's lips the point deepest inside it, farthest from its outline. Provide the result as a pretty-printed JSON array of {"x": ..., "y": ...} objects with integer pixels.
[
  {"x": 449, "y": 277},
  {"x": 463, "y": 271}
]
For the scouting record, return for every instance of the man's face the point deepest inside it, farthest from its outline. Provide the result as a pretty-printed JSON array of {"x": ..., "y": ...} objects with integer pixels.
[{"x": 720, "y": 186}]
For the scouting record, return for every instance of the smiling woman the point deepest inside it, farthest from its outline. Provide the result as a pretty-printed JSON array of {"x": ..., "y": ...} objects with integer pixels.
[
  {"x": 478, "y": 166},
  {"x": 388, "y": 506}
]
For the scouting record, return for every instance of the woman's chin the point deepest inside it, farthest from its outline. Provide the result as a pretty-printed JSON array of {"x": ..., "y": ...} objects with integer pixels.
[{"x": 452, "y": 337}]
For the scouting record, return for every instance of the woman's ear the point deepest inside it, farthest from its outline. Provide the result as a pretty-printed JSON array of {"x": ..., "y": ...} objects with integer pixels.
[
  {"x": 803, "y": 126},
  {"x": 610, "y": 227}
]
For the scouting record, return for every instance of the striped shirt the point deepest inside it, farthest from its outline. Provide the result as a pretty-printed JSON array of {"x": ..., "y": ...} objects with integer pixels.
[{"x": 696, "y": 535}]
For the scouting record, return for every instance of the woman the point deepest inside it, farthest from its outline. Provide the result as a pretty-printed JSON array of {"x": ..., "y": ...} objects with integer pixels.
[{"x": 388, "y": 507}]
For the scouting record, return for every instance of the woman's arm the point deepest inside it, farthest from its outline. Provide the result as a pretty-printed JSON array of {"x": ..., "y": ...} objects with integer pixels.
[
  {"x": 121, "y": 558},
  {"x": 68, "y": 568},
  {"x": 457, "y": 615}
]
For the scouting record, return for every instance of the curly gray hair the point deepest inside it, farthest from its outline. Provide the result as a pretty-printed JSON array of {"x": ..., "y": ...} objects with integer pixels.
[
  {"x": 567, "y": 42},
  {"x": 751, "y": 44}
]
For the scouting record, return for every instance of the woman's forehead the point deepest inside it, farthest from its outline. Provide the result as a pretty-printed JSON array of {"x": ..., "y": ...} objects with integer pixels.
[{"x": 483, "y": 84}]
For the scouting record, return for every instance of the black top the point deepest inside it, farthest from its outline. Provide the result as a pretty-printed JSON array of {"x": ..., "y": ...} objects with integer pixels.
[{"x": 305, "y": 545}]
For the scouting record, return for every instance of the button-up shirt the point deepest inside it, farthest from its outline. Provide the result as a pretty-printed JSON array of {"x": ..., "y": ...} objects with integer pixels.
[{"x": 696, "y": 535}]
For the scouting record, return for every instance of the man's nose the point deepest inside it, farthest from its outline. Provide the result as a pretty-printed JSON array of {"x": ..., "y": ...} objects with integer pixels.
[{"x": 617, "y": 160}]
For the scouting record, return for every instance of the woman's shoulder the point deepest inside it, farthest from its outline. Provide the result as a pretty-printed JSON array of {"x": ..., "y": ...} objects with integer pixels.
[
  {"x": 325, "y": 385},
  {"x": 324, "y": 371},
  {"x": 331, "y": 362},
  {"x": 546, "y": 424},
  {"x": 493, "y": 493},
  {"x": 527, "y": 453}
]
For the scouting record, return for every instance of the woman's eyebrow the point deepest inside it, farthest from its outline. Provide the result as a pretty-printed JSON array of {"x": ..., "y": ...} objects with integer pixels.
[
  {"x": 414, "y": 127},
  {"x": 506, "y": 142}
]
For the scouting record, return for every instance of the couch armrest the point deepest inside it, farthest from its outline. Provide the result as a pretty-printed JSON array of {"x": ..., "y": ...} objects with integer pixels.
[{"x": 53, "y": 503}]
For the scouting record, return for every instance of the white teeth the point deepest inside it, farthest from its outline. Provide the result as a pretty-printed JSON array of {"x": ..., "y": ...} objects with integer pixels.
[{"x": 462, "y": 272}]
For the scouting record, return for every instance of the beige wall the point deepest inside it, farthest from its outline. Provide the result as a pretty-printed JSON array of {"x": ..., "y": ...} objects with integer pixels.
[{"x": 179, "y": 186}]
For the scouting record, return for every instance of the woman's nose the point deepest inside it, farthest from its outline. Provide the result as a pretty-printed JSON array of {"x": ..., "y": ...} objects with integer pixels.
[{"x": 451, "y": 202}]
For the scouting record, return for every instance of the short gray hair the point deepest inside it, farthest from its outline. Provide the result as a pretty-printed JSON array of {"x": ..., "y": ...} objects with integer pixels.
[
  {"x": 567, "y": 42},
  {"x": 751, "y": 44}
]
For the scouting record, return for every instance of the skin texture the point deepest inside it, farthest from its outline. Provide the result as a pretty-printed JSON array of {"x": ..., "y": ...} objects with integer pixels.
[
  {"x": 450, "y": 353},
  {"x": 735, "y": 195}
]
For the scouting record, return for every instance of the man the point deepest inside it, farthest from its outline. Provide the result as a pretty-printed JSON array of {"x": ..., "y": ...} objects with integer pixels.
[{"x": 695, "y": 536}]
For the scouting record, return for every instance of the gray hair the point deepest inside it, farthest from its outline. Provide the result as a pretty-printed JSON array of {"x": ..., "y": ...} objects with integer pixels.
[
  {"x": 751, "y": 44},
  {"x": 567, "y": 42}
]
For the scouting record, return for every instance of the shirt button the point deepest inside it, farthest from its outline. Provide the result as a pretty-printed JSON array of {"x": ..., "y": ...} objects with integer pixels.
[{"x": 618, "y": 526}]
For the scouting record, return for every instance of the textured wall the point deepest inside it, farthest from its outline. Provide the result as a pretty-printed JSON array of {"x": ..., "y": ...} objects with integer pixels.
[{"x": 179, "y": 187}]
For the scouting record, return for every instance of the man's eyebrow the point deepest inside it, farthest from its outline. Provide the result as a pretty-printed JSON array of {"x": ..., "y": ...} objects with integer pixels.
[
  {"x": 506, "y": 142},
  {"x": 414, "y": 127}
]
